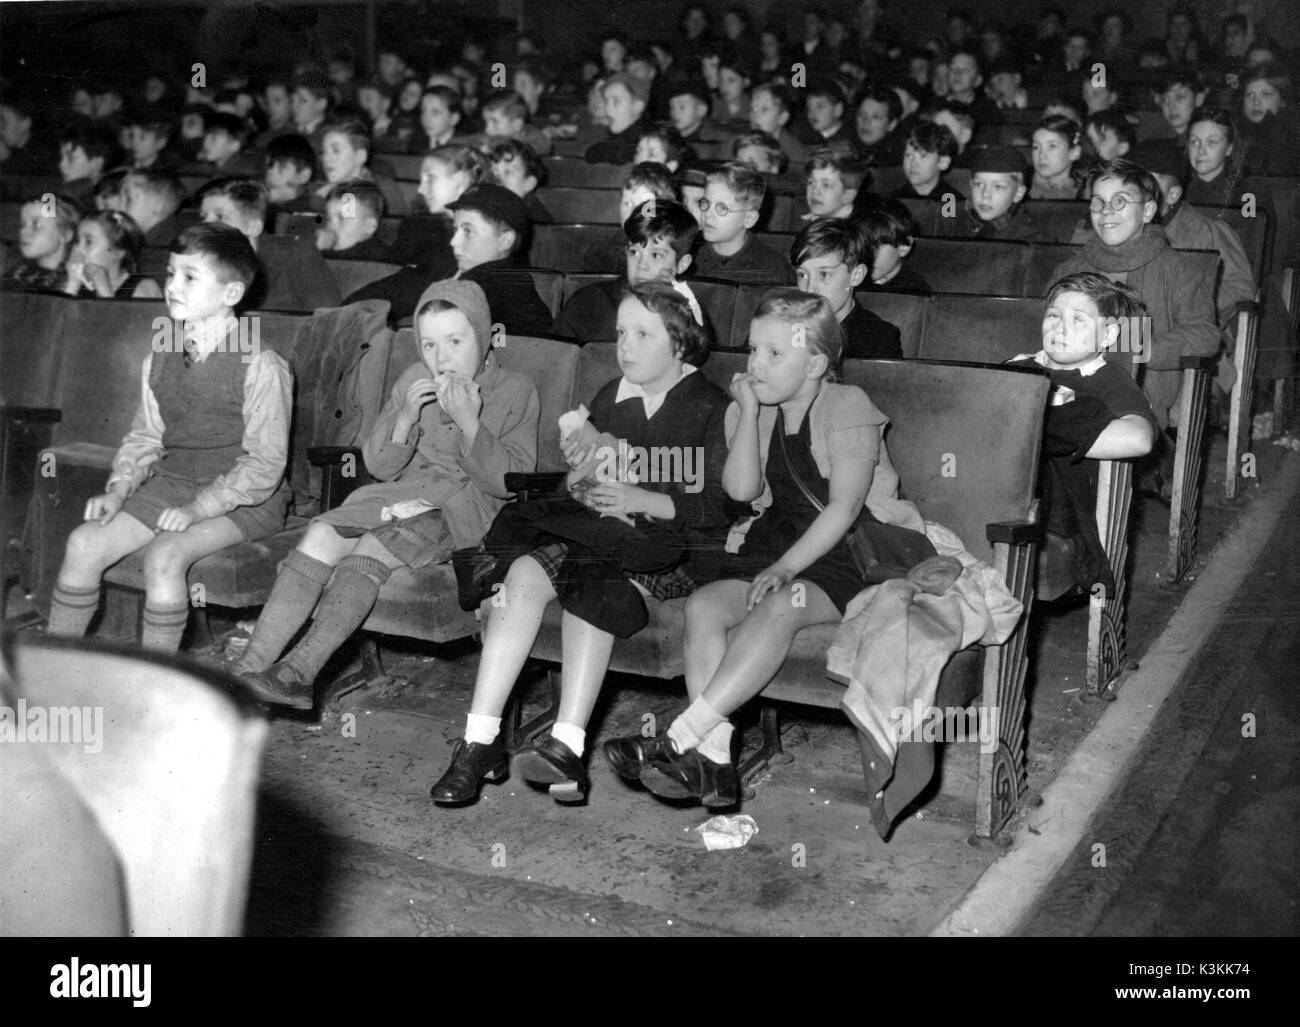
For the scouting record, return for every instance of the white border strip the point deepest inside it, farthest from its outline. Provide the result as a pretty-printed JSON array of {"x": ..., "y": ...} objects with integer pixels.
[{"x": 1005, "y": 892}]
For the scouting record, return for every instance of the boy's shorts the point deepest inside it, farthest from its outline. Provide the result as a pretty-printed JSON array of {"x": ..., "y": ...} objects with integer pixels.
[{"x": 165, "y": 490}]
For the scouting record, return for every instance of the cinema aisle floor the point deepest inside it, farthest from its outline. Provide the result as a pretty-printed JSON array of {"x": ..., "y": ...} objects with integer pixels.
[{"x": 349, "y": 843}]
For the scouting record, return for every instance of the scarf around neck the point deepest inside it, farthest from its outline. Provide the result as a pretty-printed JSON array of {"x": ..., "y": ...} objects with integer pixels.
[{"x": 1128, "y": 256}]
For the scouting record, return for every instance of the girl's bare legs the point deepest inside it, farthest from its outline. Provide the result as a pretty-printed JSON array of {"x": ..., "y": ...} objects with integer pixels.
[{"x": 512, "y": 626}]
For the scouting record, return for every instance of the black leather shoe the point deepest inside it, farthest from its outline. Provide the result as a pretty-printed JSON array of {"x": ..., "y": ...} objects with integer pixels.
[
  {"x": 551, "y": 762},
  {"x": 472, "y": 763},
  {"x": 281, "y": 685},
  {"x": 692, "y": 776},
  {"x": 629, "y": 755}
]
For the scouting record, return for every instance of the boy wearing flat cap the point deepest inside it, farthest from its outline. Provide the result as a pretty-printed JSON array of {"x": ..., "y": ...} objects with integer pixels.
[
  {"x": 490, "y": 231},
  {"x": 997, "y": 185},
  {"x": 626, "y": 97}
]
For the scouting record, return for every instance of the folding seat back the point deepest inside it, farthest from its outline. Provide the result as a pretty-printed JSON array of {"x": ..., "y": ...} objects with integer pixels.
[
  {"x": 572, "y": 247},
  {"x": 581, "y": 206},
  {"x": 31, "y": 348},
  {"x": 975, "y": 266},
  {"x": 10, "y": 215},
  {"x": 981, "y": 329},
  {"x": 779, "y": 242},
  {"x": 406, "y": 166},
  {"x": 927, "y": 212},
  {"x": 351, "y": 275},
  {"x": 718, "y": 302},
  {"x": 576, "y": 173},
  {"x": 549, "y": 286},
  {"x": 970, "y": 458},
  {"x": 1059, "y": 218},
  {"x": 1040, "y": 268},
  {"x": 904, "y": 310},
  {"x": 553, "y": 368},
  {"x": 575, "y": 280},
  {"x": 748, "y": 298},
  {"x": 886, "y": 179},
  {"x": 21, "y": 188}
]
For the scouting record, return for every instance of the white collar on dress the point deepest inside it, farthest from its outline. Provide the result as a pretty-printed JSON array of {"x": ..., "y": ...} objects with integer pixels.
[{"x": 630, "y": 390}]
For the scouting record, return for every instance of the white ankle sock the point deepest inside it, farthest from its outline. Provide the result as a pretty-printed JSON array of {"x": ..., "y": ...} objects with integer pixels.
[
  {"x": 696, "y": 721},
  {"x": 571, "y": 735},
  {"x": 717, "y": 743},
  {"x": 481, "y": 729}
]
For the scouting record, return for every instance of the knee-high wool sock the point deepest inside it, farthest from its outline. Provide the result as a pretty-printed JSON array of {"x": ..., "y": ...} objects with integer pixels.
[
  {"x": 301, "y": 580},
  {"x": 72, "y": 610},
  {"x": 163, "y": 625},
  {"x": 347, "y": 601}
]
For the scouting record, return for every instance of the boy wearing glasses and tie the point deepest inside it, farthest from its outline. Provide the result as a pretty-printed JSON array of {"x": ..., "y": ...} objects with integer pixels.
[
  {"x": 733, "y": 194},
  {"x": 1127, "y": 247}
]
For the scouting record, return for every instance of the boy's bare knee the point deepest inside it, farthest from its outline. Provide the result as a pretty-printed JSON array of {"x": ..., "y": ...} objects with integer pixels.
[
  {"x": 321, "y": 542},
  {"x": 86, "y": 545},
  {"x": 164, "y": 559}
]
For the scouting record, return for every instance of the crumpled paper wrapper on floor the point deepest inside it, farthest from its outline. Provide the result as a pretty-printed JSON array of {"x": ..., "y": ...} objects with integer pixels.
[{"x": 732, "y": 832}]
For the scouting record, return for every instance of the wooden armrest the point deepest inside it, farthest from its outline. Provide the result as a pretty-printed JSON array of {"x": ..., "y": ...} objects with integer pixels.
[
  {"x": 535, "y": 481},
  {"x": 1013, "y": 533},
  {"x": 325, "y": 456},
  {"x": 41, "y": 415}
]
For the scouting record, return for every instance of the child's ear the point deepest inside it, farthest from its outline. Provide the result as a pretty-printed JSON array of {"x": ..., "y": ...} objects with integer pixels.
[
  {"x": 671, "y": 165},
  {"x": 530, "y": 184},
  {"x": 506, "y": 241},
  {"x": 255, "y": 228},
  {"x": 782, "y": 118},
  {"x": 751, "y": 219},
  {"x": 858, "y": 276},
  {"x": 1020, "y": 193},
  {"x": 233, "y": 293},
  {"x": 1123, "y": 148},
  {"x": 818, "y": 364},
  {"x": 683, "y": 262},
  {"x": 1075, "y": 153},
  {"x": 370, "y": 224},
  {"x": 453, "y": 119},
  {"x": 905, "y": 249},
  {"x": 1149, "y": 211},
  {"x": 945, "y": 162},
  {"x": 302, "y": 176},
  {"x": 850, "y": 195}
]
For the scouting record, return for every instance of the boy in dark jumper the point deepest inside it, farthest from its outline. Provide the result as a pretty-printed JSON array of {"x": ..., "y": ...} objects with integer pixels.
[
  {"x": 729, "y": 210},
  {"x": 626, "y": 97},
  {"x": 890, "y": 232},
  {"x": 659, "y": 234},
  {"x": 1097, "y": 412},
  {"x": 831, "y": 259},
  {"x": 997, "y": 187},
  {"x": 85, "y": 151}
]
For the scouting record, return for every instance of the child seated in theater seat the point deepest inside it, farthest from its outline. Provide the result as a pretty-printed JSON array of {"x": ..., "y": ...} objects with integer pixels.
[
  {"x": 290, "y": 167},
  {"x": 202, "y": 467},
  {"x": 729, "y": 210},
  {"x": 46, "y": 231},
  {"x": 85, "y": 152},
  {"x": 832, "y": 258},
  {"x": 1111, "y": 134},
  {"x": 152, "y": 197},
  {"x": 929, "y": 152},
  {"x": 345, "y": 157},
  {"x": 455, "y": 425},
  {"x": 770, "y": 108},
  {"x": 891, "y": 231},
  {"x": 104, "y": 259},
  {"x": 294, "y": 273},
  {"x": 761, "y": 152},
  {"x": 1128, "y": 246},
  {"x": 1057, "y": 149},
  {"x": 662, "y": 145},
  {"x": 517, "y": 166},
  {"x": 645, "y": 181},
  {"x": 505, "y": 116},
  {"x": 352, "y": 214},
  {"x": 626, "y": 97},
  {"x": 660, "y": 234},
  {"x": 994, "y": 211},
  {"x": 224, "y": 139},
  {"x": 1097, "y": 412},
  {"x": 834, "y": 178}
]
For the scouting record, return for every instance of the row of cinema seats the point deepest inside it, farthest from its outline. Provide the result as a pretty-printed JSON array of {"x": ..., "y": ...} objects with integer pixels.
[{"x": 81, "y": 358}]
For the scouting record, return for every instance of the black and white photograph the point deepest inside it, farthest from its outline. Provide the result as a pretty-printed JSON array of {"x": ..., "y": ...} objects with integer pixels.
[{"x": 640, "y": 469}]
